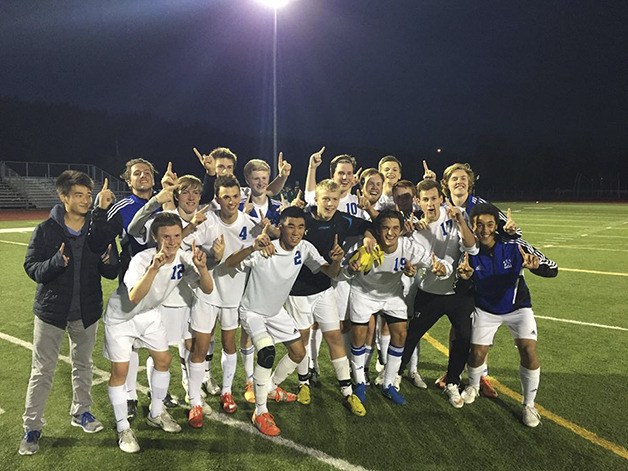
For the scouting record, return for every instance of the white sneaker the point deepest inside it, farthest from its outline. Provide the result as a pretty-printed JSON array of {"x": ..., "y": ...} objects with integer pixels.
[
  {"x": 127, "y": 441},
  {"x": 453, "y": 393},
  {"x": 469, "y": 394},
  {"x": 164, "y": 421},
  {"x": 211, "y": 387},
  {"x": 207, "y": 411},
  {"x": 417, "y": 380},
  {"x": 531, "y": 416},
  {"x": 379, "y": 367},
  {"x": 397, "y": 383},
  {"x": 379, "y": 381}
]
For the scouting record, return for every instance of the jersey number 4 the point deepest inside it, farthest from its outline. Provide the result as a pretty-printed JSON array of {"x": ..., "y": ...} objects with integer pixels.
[{"x": 243, "y": 233}]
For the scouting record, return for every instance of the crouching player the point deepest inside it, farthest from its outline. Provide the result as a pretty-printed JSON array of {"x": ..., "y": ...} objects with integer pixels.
[
  {"x": 261, "y": 310},
  {"x": 501, "y": 297},
  {"x": 133, "y": 316},
  {"x": 381, "y": 290}
]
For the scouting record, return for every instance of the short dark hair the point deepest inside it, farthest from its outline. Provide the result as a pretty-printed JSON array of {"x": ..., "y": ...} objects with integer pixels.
[
  {"x": 388, "y": 158},
  {"x": 427, "y": 185},
  {"x": 225, "y": 181},
  {"x": 484, "y": 208},
  {"x": 387, "y": 214},
  {"x": 291, "y": 212},
  {"x": 341, "y": 159},
  {"x": 126, "y": 175},
  {"x": 404, "y": 184},
  {"x": 224, "y": 153},
  {"x": 69, "y": 178},
  {"x": 164, "y": 220}
]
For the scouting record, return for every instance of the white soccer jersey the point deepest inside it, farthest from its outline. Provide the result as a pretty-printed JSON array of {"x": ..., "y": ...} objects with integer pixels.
[
  {"x": 385, "y": 202},
  {"x": 271, "y": 279},
  {"x": 169, "y": 276},
  {"x": 443, "y": 238},
  {"x": 228, "y": 282},
  {"x": 384, "y": 281},
  {"x": 347, "y": 204}
]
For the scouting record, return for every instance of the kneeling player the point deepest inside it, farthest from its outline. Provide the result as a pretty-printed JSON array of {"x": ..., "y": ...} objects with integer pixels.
[{"x": 133, "y": 316}]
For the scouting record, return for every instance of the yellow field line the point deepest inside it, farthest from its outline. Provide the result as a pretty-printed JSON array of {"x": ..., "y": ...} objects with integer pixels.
[{"x": 577, "y": 429}]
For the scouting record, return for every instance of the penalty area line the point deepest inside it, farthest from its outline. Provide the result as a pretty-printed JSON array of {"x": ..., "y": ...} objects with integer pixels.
[
  {"x": 589, "y": 324},
  {"x": 575, "y": 428}
]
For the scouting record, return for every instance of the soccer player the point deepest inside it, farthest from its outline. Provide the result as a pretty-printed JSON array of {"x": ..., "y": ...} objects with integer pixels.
[
  {"x": 381, "y": 289},
  {"x": 69, "y": 297},
  {"x": 237, "y": 229},
  {"x": 312, "y": 297},
  {"x": 371, "y": 184},
  {"x": 133, "y": 316},
  {"x": 501, "y": 297},
  {"x": 257, "y": 176},
  {"x": 390, "y": 167},
  {"x": 445, "y": 231},
  {"x": 263, "y": 316}
]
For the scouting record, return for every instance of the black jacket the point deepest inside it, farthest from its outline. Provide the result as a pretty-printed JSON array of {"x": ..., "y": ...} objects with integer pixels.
[{"x": 55, "y": 282}]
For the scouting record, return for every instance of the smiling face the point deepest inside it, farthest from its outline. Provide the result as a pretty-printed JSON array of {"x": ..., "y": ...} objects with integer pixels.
[
  {"x": 78, "y": 200},
  {"x": 372, "y": 188},
  {"x": 224, "y": 166},
  {"x": 168, "y": 240},
  {"x": 141, "y": 180},
  {"x": 343, "y": 175},
  {"x": 258, "y": 181},
  {"x": 229, "y": 199},
  {"x": 458, "y": 184},
  {"x": 485, "y": 227},
  {"x": 326, "y": 203},
  {"x": 403, "y": 197},
  {"x": 430, "y": 201},
  {"x": 292, "y": 230},
  {"x": 388, "y": 234},
  {"x": 391, "y": 172},
  {"x": 189, "y": 199}
]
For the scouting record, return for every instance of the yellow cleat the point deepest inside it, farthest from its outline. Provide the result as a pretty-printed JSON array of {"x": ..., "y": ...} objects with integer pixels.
[
  {"x": 303, "y": 396},
  {"x": 249, "y": 393},
  {"x": 353, "y": 403}
]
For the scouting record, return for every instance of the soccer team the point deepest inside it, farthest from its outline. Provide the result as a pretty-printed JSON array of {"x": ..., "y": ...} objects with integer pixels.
[{"x": 377, "y": 267}]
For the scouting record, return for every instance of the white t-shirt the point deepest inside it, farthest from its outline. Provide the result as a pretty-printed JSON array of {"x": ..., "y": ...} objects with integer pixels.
[
  {"x": 271, "y": 279},
  {"x": 443, "y": 238},
  {"x": 348, "y": 203},
  {"x": 384, "y": 281},
  {"x": 228, "y": 282},
  {"x": 169, "y": 276}
]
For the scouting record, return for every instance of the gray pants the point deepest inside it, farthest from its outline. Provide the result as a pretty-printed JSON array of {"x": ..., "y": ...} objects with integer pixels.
[{"x": 46, "y": 344}]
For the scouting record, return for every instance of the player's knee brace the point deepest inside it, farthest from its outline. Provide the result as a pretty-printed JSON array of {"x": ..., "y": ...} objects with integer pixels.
[{"x": 266, "y": 357}]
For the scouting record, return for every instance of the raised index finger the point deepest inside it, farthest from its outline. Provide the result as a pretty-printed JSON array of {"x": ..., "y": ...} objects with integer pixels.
[
  {"x": 105, "y": 184},
  {"x": 425, "y": 167},
  {"x": 280, "y": 159},
  {"x": 335, "y": 240},
  {"x": 198, "y": 154},
  {"x": 320, "y": 152},
  {"x": 508, "y": 214}
]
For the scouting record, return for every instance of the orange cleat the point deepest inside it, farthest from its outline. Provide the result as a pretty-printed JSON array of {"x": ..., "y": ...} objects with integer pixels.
[
  {"x": 486, "y": 388},
  {"x": 195, "y": 417},
  {"x": 265, "y": 423},
  {"x": 228, "y": 404},
  {"x": 280, "y": 395},
  {"x": 249, "y": 393}
]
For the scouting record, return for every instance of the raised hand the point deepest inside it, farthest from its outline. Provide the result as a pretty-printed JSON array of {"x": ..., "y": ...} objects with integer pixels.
[
  {"x": 263, "y": 220},
  {"x": 159, "y": 259},
  {"x": 409, "y": 270},
  {"x": 284, "y": 202},
  {"x": 298, "y": 201},
  {"x": 530, "y": 261},
  {"x": 437, "y": 267},
  {"x": 106, "y": 196},
  {"x": 218, "y": 248},
  {"x": 283, "y": 166},
  {"x": 336, "y": 253},
  {"x": 248, "y": 204},
  {"x": 454, "y": 212},
  {"x": 356, "y": 177},
  {"x": 510, "y": 227},
  {"x": 106, "y": 257},
  {"x": 317, "y": 158},
  {"x": 66, "y": 259},
  {"x": 262, "y": 240},
  {"x": 169, "y": 180},
  {"x": 363, "y": 201},
  {"x": 206, "y": 161},
  {"x": 465, "y": 271},
  {"x": 427, "y": 173},
  {"x": 199, "y": 257},
  {"x": 166, "y": 194}
]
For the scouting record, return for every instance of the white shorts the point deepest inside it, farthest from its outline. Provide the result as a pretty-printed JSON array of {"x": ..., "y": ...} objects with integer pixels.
[
  {"x": 361, "y": 307},
  {"x": 176, "y": 321},
  {"x": 341, "y": 289},
  {"x": 144, "y": 331},
  {"x": 521, "y": 324},
  {"x": 320, "y": 307},
  {"x": 203, "y": 317},
  {"x": 228, "y": 318},
  {"x": 281, "y": 327}
]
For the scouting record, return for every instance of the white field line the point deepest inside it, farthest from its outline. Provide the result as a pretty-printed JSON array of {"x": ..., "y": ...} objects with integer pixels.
[
  {"x": 16, "y": 229},
  {"x": 575, "y": 236},
  {"x": 581, "y": 247},
  {"x": 593, "y": 272},
  {"x": 14, "y": 243},
  {"x": 244, "y": 426},
  {"x": 2, "y": 411},
  {"x": 589, "y": 324}
]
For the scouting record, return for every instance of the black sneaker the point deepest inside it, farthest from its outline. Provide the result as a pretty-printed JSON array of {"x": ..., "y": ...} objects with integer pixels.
[
  {"x": 170, "y": 401},
  {"x": 131, "y": 407},
  {"x": 315, "y": 378}
]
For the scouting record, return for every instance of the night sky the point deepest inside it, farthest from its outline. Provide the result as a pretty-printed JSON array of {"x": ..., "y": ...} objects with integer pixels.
[{"x": 401, "y": 75}]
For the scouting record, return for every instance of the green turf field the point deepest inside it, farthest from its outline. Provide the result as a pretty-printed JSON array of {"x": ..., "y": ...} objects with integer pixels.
[{"x": 582, "y": 396}]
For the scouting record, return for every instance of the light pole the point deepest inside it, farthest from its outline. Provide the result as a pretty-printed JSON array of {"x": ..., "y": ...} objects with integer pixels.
[{"x": 275, "y": 5}]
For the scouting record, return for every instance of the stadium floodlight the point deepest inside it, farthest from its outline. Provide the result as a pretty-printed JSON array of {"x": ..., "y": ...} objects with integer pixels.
[{"x": 275, "y": 3}]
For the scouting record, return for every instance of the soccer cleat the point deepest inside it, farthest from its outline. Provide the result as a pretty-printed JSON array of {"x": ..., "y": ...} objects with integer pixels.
[
  {"x": 315, "y": 379},
  {"x": 531, "y": 416},
  {"x": 469, "y": 394},
  {"x": 453, "y": 393},
  {"x": 249, "y": 393},
  {"x": 164, "y": 421},
  {"x": 127, "y": 441},
  {"x": 379, "y": 381},
  {"x": 367, "y": 377},
  {"x": 353, "y": 403},
  {"x": 416, "y": 379},
  {"x": 195, "y": 417},
  {"x": 87, "y": 422},
  {"x": 397, "y": 383},
  {"x": 265, "y": 423},
  {"x": 281, "y": 395},
  {"x": 207, "y": 411},
  {"x": 30, "y": 442},
  {"x": 303, "y": 396},
  {"x": 441, "y": 382},
  {"x": 360, "y": 391},
  {"x": 391, "y": 393},
  {"x": 211, "y": 387},
  {"x": 379, "y": 367},
  {"x": 486, "y": 388},
  {"x": 170, "y": 401},
  {"x": 131, "y": 407},
  {"x": 228, "y": 404}
]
